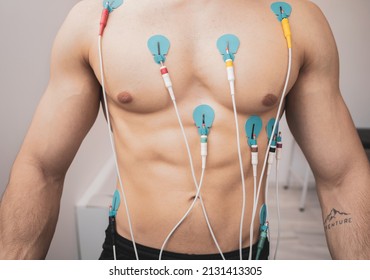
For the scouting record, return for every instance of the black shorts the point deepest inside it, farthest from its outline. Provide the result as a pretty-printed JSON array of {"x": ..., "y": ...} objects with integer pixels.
[{"x": 125, "y": 251}]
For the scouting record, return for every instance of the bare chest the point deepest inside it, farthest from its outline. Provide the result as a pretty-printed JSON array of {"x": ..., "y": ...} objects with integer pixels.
[{"x": 196, "y": 67}]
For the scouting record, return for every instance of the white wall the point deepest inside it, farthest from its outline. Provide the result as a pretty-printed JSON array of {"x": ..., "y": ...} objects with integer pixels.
[
  {"x": 350, "y": 23},
  {"x": 28, "y": 28}
]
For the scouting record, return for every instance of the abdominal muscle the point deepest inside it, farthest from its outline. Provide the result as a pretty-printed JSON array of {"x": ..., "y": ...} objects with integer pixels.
[{"x": 159, "y": 185}]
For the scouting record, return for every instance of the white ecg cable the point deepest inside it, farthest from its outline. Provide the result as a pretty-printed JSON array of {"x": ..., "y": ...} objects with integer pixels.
[
  {"x": 190, "y": 159},
  {"x": 114, "y": 253},
  {"x": 242, "y": 178},
  {"x": 111, "y": 138},
  {"x": 170, "y": 90},
  {"x": 107, "y": 9},
  {"x": 269, "y": 143},
  {"x": 231, "y": 79},
  {"x": 267, "y": 184},
  {"x": 254, "y": 161},
  {"x": 279, "y": 148},
  {"x": 168, "y": 84},
  {"x": 270, "y": 162},
  {"x": 184, "y": 217},
  {"x": 278, "y": 209}
]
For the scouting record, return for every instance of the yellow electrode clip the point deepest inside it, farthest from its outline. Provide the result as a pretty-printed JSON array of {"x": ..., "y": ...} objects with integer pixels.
[
  {"x": 282, "y": 11},
  {"x": 287, "y": 32},
  {"x": 229, "y": 63}
]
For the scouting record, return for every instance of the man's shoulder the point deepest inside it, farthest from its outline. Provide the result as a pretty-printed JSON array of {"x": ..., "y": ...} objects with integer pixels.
[
  {"x": 311, "y": 29},
  {"x": 86, "y": 12},
  {"x": 88, "y": 5},
  {"x": 304, "y": 9},
  {"x": 81, "y": 25},
  {"x": 78, "y": 32},
  {"x": 84, "y": 17}
]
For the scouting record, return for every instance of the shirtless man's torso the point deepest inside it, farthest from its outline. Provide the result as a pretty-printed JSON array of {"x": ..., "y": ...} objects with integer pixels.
[
  {"x": 147, "y": 134},
  {"x": 152, "y": 157}
]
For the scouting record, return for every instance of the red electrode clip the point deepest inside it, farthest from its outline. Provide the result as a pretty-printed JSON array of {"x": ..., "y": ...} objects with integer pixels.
[
  {"x": 164, "y": 70},
  {"x": 103, "y": 20}
]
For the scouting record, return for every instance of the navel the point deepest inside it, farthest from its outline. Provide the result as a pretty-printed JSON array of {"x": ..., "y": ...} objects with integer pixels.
[
  {"x": 124, "y": 97},
  {"x": 269, "y": 100}
]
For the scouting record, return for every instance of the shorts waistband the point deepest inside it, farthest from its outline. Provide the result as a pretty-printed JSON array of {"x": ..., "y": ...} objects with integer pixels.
[{"x": 125, "y": 251}]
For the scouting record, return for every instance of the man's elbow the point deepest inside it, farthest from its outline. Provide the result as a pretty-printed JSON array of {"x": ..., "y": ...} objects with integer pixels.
[
  {"x": 344, "y": 174},
  {"x": 30, "y": 171}
]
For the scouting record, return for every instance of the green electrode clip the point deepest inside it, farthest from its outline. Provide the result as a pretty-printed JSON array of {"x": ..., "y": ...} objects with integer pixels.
[
  {"x": 116, "y": 200},
  {"x": 263, "y": 230}
]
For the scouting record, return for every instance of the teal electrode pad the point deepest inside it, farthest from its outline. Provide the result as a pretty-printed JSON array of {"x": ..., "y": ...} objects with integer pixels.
[
  {"x": 270, "y": 127},
  {"x": 203, "y": 114},
  {"x": 281, "y": 10},
  {"x": 253, "y": 127},
  {"x": 228, "y": 42},
  {"x": 159, "y": 46},
  {"x": 112, "y": 4}
]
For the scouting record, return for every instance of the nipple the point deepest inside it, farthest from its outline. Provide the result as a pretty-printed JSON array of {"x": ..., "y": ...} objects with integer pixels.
[
  {"x": 124, "y": 97},
  {"x": 269, "y": 100}
]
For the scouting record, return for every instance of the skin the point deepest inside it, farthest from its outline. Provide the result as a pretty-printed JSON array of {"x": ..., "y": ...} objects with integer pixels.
[{"x": 140, "y": 108}]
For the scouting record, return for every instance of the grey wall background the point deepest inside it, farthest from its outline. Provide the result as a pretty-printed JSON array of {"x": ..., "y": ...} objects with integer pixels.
[{"x": 27, "y": 31}]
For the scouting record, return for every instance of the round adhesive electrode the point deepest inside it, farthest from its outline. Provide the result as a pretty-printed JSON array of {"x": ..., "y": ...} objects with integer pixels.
[
  {"x": 253, "y": 127},
  {"x": 230, "y": 42},
  {"x": 270, "y": 126},
  {"x": 278, "y": 7},
  {"x": 203, "y": 114},
  {"x": 113, "y": 4},
  {"x": 159, "y": 46}
]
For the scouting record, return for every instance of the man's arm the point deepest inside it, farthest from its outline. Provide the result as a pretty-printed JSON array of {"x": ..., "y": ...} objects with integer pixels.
[
  {"x": 30, "y": 205},
  {"x": 322, "y": 126}
]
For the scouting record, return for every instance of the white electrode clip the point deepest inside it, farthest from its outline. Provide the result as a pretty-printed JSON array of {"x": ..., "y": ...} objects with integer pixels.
[
  {"x": 204, "y": 143},
  {"x": 203, "y": 117},
  {"x": 228, "y": 45},
  {"x": 159, "y": 46},
  {"x": 271, "y": 157},
  {"x": 254, "y": 158},
  {"x": 271, "y": 133},
  {"x": 167, "y": 81},
  {"x": 279, "y": 147},
  {"x": 230, "y": 70},
  {"x": 253, "y": 128}
]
